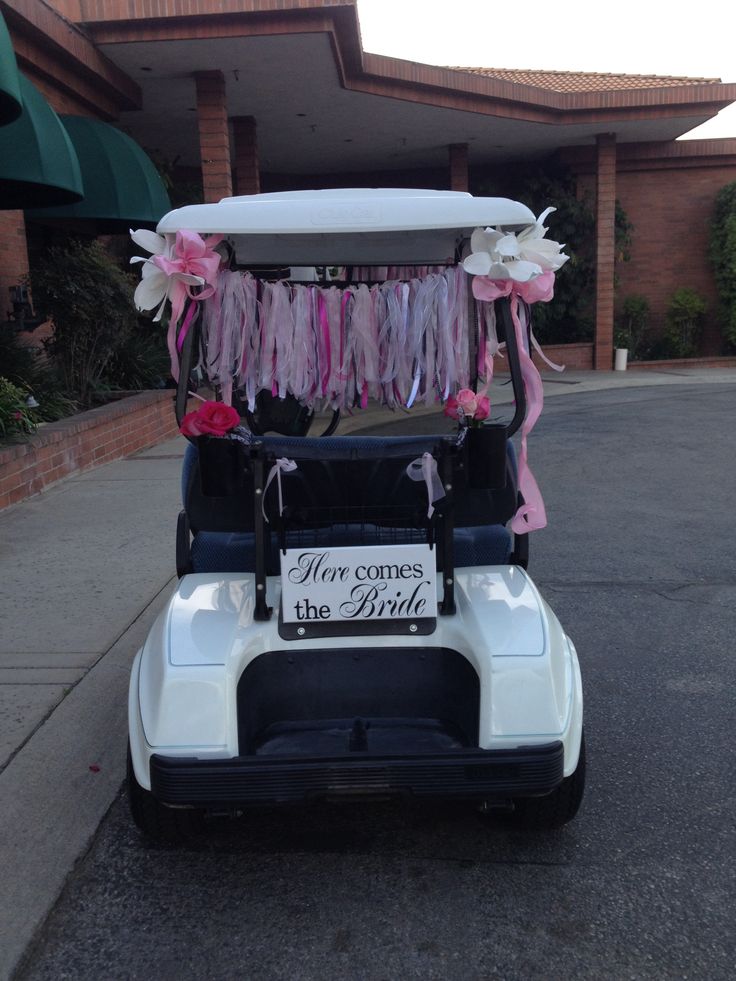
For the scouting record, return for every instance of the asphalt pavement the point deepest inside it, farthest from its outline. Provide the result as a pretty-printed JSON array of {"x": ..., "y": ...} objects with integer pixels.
[{"x": 638, "y": 472}]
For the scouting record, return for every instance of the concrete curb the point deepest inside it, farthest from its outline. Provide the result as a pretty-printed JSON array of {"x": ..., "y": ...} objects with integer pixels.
[{"x": 58, "y": 787}]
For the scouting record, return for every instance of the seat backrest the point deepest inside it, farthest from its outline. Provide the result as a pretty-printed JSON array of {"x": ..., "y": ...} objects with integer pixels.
[{"x": 337, "y": 473}]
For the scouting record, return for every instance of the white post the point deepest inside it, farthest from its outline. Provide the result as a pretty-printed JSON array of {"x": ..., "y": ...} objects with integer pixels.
[{"x": 622, "y": 356}]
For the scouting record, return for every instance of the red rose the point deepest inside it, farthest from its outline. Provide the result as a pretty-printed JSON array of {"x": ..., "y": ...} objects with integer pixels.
[
  {"x": 451, "y": 407},
  {"x": 210, "y": 419}
]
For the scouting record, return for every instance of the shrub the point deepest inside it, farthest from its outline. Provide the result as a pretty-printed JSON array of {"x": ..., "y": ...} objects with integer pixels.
[
  {"x": 16, "y": 416},
  {"x": 28, "y": 368},
  {"x": 684, "y": 322},
  {"x": 142, "y": 361},
  {"x": 723, "y": 258},
  {"x": 90, "y": 301},
  {"x": 632, "y": 325}
]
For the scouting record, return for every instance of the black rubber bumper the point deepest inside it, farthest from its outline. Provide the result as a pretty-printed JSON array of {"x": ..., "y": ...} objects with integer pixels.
[{"x": 251, "y": 780}]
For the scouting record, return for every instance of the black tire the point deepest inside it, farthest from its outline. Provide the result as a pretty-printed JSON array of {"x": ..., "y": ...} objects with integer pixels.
[
  {"x": 159, "y": 823},
  {"x": 555, "y": 809}
]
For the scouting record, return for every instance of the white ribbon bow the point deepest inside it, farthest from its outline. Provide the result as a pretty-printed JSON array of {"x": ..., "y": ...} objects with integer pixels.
[
  {"x": 425, "y": 468},
  {"x": 282, "y": 465}
]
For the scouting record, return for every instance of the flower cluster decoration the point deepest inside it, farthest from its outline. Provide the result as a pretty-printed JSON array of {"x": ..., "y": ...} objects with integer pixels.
[
  {"x": 467, "y": 407},
  {"x": 521, "y": 257},
  {"x": 175, "y": 266}
]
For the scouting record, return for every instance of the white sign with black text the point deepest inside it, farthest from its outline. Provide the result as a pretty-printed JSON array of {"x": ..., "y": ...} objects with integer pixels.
[{"x": 376, "y": 582}]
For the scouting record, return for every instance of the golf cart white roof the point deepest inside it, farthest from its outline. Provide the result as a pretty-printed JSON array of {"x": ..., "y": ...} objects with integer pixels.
[{"x": 364, "y": 226}]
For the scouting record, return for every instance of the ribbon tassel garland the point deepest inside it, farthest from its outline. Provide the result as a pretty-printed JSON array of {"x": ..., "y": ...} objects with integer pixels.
[
  {"x": 400, "y": 341},
  {"x": 395, "y": 342}
]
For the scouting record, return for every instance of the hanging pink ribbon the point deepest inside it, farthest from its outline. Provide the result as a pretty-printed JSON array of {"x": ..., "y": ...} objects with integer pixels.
[
  {"x": 192, "y": 263},
  {"x": 531, "y": 516}
]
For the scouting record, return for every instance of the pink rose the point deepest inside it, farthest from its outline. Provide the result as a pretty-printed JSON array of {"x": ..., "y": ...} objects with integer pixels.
[
  {"x": 468, "y": 407},
  {"x": 210, "y": 419},
  {"x": 467, "y": 402},
  {"x": 484, "y": 408}
]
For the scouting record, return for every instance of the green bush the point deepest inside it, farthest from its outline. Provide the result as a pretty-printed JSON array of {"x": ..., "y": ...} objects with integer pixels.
[
  {"x": 89, "y": 298},
  {"x": 16, "y": 416},
  {"x": 685, "y": 316},
  {"x": 29, "y": 369},
  {"x": 723, "y": 258},
  {"x": 632, "y": 325},
  {"x": 141, "y": 362}
]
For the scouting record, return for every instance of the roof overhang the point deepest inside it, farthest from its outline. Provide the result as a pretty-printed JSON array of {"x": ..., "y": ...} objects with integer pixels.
[{"x": 316, "y": 96}]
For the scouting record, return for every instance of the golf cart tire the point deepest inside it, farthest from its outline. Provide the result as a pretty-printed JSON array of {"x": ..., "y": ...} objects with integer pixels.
[
  {"x": 553, "y": 810},
  {"x": 159, "y": 823}
]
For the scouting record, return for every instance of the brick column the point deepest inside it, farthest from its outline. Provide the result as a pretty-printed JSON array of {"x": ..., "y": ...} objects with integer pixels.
[
  {"x": 214, "y": 135},
  {"x": 459, "y": 167},
  {"x": 605, "y": 250},
  {"x": 245, "y": 139},
  {"x": 13, "y": 257}
]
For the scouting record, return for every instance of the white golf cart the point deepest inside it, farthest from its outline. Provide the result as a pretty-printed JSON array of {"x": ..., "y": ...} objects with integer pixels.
[{"x": 354, "y": 618}]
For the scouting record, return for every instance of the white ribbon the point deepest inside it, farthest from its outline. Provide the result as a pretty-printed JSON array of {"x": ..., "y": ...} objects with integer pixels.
[
  {"x": 282, "y": 465},
  {"x": 425, "y": 468}
]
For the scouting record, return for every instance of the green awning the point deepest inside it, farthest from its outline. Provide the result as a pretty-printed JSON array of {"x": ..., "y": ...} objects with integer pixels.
[
  {"x": 122, "y": 188},
  {"x": 38, "y": 164},
  {"x": 10, "y": 100}
]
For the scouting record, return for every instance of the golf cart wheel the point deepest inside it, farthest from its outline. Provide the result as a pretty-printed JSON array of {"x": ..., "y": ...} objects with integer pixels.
[
  {"x": 555, "y": 809},
  {"x": 172, "y": 825}
]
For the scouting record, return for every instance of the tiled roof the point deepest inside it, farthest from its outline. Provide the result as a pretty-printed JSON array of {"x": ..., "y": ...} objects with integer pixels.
[{"x": 558, "y": 81}]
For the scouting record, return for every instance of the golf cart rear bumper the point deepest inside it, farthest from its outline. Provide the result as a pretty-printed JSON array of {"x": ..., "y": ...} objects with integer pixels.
[{"x": 469, "y": 773}]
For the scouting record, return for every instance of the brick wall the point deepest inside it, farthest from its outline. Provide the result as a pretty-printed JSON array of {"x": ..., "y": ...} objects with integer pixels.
[
  {"x": 671, "y": 211},
  {"x": 668, "y": 193},
  {"x": 575, "y": 357},
  {"x": 84, "y": 441},
  {"x": 13, "y": 257}
]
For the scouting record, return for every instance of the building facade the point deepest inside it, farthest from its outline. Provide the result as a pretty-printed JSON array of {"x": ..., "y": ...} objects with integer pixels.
[{"x": 249, "y": 95}]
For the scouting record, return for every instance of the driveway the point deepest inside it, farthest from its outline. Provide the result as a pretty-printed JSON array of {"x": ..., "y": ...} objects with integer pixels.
[{"x": 639, "y": 563}]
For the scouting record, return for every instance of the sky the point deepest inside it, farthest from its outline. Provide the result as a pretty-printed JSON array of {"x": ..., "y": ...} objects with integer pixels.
[{"x": 639, "y": 37}]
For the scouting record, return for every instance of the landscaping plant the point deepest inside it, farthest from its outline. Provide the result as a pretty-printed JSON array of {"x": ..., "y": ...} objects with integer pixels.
[
  {"x": 685, "y": 316},
  {"x": 632, "y": 325},
  {"x": 17, "y": 416},
  {"x": 723, "y": 257},
  {"x": 29, "y": 369},
  {"x": 89, "y": 299}
]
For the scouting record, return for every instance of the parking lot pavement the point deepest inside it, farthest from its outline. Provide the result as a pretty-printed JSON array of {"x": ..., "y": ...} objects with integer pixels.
[{"x": 637, "y": 562}]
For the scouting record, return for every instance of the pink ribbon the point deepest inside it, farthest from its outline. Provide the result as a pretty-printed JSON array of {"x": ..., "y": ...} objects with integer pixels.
[
  {"x": 325, "y": 327},
  {"x": 531, "y": 516},
  {"x": 192, "y": 256}
]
